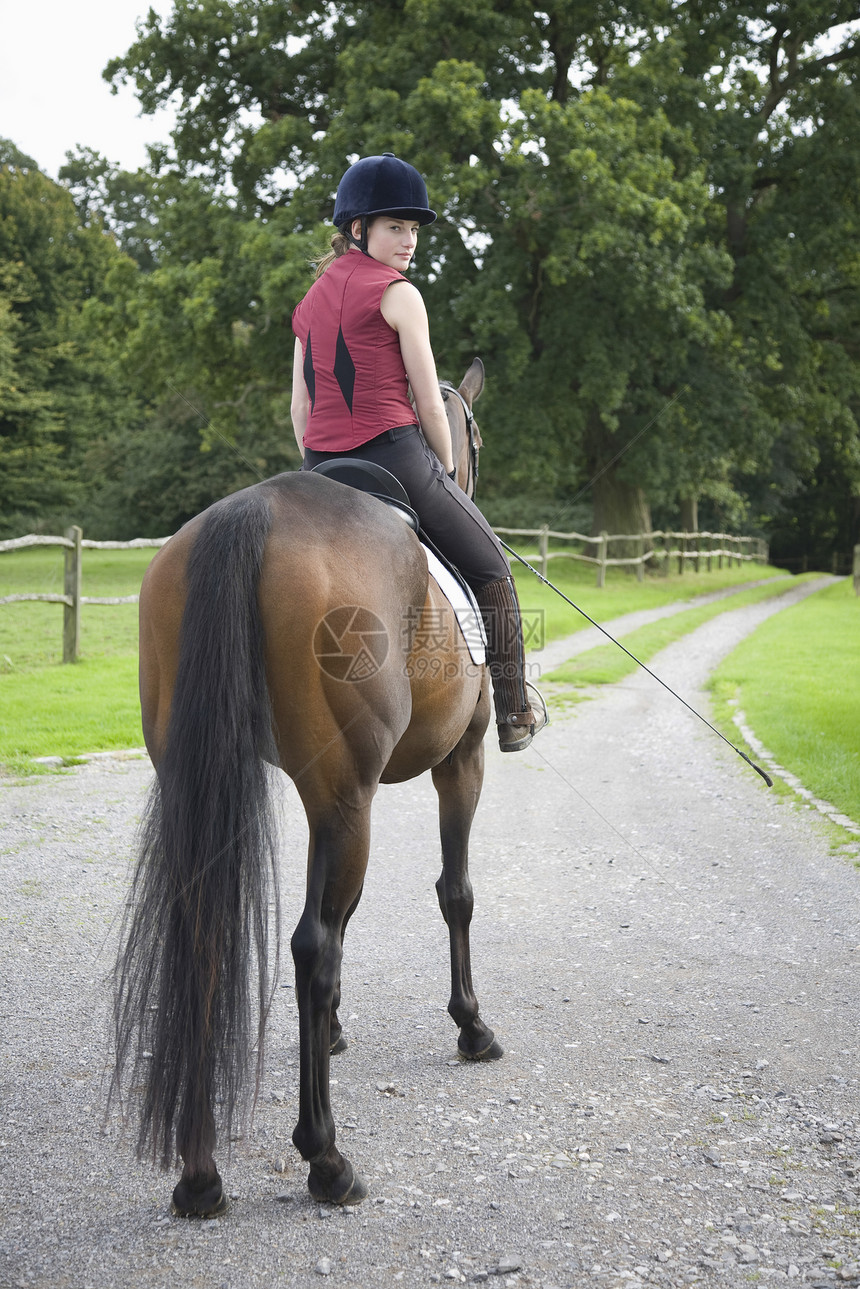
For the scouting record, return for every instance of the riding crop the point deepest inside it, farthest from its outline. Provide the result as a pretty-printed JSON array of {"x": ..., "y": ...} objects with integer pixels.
[{"x": 638, "y": 662}]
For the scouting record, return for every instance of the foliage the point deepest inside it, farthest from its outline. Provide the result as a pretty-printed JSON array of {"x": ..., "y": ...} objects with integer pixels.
[
  {"x": 645, "y": 212},
  {"x": 57, "y": 393},
  {"x": 647, "y": 231}
]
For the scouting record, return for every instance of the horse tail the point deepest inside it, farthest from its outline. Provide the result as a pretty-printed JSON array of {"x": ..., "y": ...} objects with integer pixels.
[{"x": 196, "y": 934}]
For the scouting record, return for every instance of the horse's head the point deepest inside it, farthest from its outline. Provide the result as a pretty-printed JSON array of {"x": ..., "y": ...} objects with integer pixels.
[{"x": 465, "y": 435}]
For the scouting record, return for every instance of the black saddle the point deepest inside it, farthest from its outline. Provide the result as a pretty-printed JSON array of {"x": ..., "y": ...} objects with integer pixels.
[
  {"x": 378, "y": 482},
  {"x": 373, "y": 479}
]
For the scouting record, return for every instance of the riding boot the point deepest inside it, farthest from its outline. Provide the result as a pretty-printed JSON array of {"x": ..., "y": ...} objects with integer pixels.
[{"x": 506, "y": 660}]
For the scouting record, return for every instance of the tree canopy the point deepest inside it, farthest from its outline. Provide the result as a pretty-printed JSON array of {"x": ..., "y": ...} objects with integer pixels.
[
  {"x": 57, "y": 390},
  {"x": 647, "y": 230}
]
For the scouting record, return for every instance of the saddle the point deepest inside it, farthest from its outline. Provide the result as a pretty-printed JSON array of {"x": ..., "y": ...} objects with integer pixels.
[
  {"x": 378, "y": 482},
  {"x": 373, "y": 479}
]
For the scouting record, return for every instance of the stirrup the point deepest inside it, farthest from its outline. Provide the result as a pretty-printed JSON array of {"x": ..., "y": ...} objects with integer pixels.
[
  {"x": 537, "y": 702},
  {"x": 517, "y": 730}
]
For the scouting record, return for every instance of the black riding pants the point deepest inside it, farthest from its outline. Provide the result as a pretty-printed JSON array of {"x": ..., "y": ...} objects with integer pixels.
[{"x": 451, "y": 520}]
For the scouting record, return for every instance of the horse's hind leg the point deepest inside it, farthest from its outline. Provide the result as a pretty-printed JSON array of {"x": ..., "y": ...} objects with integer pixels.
[
  {"x": 458, "y": 782},
  {"x": 339, "y": 847},
  {"x": 337, "y": 1042}
]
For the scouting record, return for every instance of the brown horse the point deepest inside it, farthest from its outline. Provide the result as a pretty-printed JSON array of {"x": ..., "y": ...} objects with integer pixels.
[{"x": 291, "y": 624}]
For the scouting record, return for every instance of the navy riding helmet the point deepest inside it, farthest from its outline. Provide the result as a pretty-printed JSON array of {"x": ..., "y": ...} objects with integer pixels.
[{"x": 381, "y": 186}]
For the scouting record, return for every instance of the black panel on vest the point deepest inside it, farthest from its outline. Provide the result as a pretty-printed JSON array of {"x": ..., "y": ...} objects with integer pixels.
[
  {"x": 344, "y": 369},
  {"x": 308, "y": 372}
]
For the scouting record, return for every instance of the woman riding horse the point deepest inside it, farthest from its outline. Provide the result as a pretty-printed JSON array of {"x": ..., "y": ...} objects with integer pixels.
[
  {"x": 362, "y": 341},
  {"x": 238, "y": 612}
]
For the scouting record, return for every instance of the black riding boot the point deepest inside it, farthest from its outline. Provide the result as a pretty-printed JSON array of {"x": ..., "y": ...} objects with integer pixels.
[{"x": 506, "y": 659}]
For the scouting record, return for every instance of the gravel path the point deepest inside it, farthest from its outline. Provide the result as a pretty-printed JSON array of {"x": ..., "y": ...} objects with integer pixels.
[{"x": 668, "y": 953}]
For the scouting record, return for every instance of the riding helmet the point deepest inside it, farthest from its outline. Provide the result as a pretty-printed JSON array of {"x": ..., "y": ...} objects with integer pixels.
[{"x": 382, "y": 186}]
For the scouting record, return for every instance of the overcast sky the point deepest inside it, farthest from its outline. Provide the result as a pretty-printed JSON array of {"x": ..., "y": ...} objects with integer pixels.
[{"x": 52, "y": 96}]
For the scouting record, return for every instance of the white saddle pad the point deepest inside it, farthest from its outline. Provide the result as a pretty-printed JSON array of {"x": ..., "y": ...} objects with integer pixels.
[{"x": 465, "y": 606}]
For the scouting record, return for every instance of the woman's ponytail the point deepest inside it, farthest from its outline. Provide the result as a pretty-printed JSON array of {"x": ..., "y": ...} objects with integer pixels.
[{"x": 340, "y": 244}]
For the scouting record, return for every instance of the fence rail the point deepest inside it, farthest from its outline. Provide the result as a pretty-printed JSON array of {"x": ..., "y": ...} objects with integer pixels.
[
  {"x": 73, "y": 543},
  {"x": 692, "y": 547}
]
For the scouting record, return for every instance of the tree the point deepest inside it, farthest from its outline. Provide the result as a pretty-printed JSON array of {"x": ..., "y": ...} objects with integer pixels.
[
  {"x": 196, "y": 326},
  {"x": 53, "y": 390},
  {"x": 645, "y": 215}
]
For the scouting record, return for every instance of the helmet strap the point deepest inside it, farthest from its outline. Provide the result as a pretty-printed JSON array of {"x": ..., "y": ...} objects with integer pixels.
[{"x": 361, "y": 242}]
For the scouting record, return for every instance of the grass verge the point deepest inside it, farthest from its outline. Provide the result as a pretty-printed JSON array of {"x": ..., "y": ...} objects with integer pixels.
[
  {"x": 795, "y": 679},
  {"x": 69, "y": 711}
]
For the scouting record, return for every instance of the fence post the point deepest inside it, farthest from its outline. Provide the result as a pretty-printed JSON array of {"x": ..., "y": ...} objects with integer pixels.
[
  {"x": 544, "y": 549},
  {"x": 72, "y": 590},
  {"x": 640, "y": 551},
  {"x": 857, "y": 570},
  {"x": 601, "y": 559},
  {"x": 682, "y": 562}
]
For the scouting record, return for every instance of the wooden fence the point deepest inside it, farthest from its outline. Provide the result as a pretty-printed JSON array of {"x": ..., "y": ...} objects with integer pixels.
[
  {"x": 693, "y": 548},
  {"x": 72, "y": 599}
]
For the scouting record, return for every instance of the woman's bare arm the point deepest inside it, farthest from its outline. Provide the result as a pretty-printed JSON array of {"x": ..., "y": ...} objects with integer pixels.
[
  {"x": 403, "y": 309},
  {"x": 300, "y": 403}
]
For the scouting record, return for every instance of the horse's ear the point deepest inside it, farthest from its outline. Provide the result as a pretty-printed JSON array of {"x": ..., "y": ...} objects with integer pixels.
[{"x": 473, "y": 381}]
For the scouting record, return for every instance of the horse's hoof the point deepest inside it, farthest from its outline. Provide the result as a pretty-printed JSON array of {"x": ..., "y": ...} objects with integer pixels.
[
  {"x": 339, "y": 1045},
  {"x": 493, "y": 1052},
  {"x": 187, "y": 1201},
  {"x": 346, "y": 1188}
]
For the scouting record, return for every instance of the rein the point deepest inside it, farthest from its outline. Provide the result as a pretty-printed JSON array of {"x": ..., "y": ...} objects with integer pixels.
[{"x": 472, "y": 470}]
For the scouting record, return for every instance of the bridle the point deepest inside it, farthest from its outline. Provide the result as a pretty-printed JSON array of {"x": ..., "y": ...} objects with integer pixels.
[{"x": 472, "y": 469}]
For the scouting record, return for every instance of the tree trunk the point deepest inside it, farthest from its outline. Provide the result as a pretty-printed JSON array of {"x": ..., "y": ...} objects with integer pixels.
[
  {"x": 690, "y": 514},
  {"x": 620, "y": 508}
]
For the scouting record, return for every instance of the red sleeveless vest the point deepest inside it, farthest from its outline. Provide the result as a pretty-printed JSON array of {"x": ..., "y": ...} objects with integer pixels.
[{"x": 352, "y": 364}]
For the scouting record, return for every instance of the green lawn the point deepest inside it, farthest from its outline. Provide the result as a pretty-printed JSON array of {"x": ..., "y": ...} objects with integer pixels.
[
  {"x": 31, "y": 634},
  {"x": 797, "y": 679},
  {"x": 47, "y": 709},
  {"x": 69, "y": 711}
]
